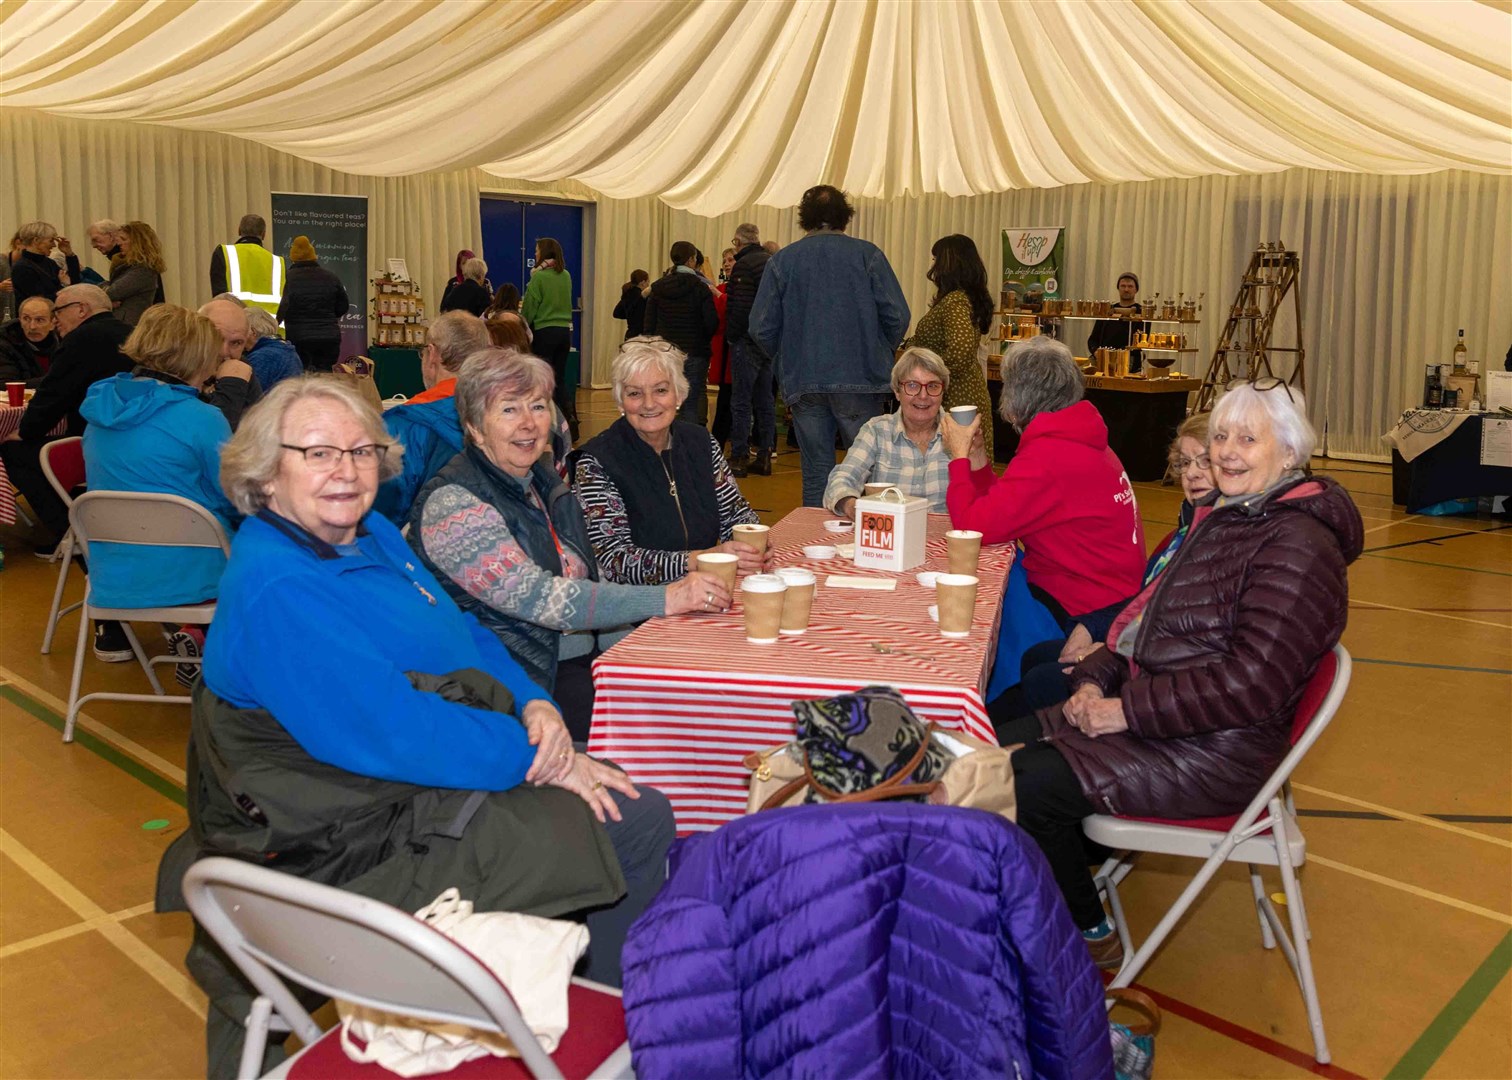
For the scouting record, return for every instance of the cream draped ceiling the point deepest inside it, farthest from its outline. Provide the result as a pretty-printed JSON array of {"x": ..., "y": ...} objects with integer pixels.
[{"x": 721, "y": 104}]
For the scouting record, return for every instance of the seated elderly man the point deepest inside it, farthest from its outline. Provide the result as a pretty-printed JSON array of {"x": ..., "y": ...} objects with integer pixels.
[
  {"x": 90, "y": 351},
  {"x": 27, "y": 343},
  {"x": 234, "y": 387},
  {"x": 408, "y": 753},
  {"x": 903, "y": 447},
  {"x": 427, "y": 424},
  {"x": 271, "y": 358}
]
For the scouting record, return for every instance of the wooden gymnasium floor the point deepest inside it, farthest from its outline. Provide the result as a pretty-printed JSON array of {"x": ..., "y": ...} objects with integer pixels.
[{"x": 1409, "y": 880}]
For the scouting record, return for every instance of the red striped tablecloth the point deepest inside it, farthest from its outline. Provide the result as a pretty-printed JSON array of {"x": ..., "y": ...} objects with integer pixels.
[
  {"x": 10, "y": 421},
  {"x": 683, "y": 699}
]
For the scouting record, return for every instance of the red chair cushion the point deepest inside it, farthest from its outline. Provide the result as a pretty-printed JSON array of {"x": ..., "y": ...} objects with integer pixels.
[
  {"x": 1212, "y": 824},
  {"x": 596, "y": 1030},
  {"x": 66, "y": 456}
]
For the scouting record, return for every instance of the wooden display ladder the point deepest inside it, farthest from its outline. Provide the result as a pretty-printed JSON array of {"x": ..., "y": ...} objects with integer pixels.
[{"x": 1244, "y": 348}]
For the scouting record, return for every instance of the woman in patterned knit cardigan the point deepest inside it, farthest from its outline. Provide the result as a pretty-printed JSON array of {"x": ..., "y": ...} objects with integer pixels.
[
  {"x": 958, "y": 316},
  {"x": 506, "y": 538}
]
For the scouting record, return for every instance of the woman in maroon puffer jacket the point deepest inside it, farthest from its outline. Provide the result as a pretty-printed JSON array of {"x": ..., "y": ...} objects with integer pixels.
[{"x": 1189, "y": 708}]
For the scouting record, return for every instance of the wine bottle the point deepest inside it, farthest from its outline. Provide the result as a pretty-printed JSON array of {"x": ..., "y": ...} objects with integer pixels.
[{"x": 1459, "y": 354}]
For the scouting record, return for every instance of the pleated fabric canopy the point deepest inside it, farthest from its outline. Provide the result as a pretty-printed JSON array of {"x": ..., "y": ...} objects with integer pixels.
[{"x": 718, "y": 104}]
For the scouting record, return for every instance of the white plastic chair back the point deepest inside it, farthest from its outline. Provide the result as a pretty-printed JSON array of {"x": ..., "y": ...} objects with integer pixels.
[{"x": 347, "y": 946}]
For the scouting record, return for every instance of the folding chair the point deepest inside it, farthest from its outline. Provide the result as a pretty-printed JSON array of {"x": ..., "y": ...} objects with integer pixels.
[
  {"x": 63, "y": 465},
  {"x": 275, "y": 926},
  {"x": 1266, "y": 833},
  {"x": 151, "y": 519}
]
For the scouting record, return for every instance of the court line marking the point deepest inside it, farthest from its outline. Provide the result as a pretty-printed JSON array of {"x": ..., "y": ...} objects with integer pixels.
[
  {"x": 1433, "y": 614},
  {"x": 65, "y": 932},
  {"x": 1437, "y": 565},
  {"x": 1456, "y": 1013},
  {"x": 1436, "y": 667},
  {"x": 1403, "y": 815},
  {"x": 104, "y": 731},
  {"x": 1414, "y": 890},
  {"x": 159, "y": 970},
  {"x": 1390, "y": 524}
]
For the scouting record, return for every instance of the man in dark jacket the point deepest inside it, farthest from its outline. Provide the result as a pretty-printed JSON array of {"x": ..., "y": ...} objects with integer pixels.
[
  {"x": 752, "y": 391},
  {"x": 252, "y": 228},
  {"x": 90, "y": 351},
  {"x": 681, "y": 310},
  {"x": 235, "y": 388},
  {"x": 27, "y": 344},
  {"x": 34, "y": 273},
  {"x": 313, "y": 305}
]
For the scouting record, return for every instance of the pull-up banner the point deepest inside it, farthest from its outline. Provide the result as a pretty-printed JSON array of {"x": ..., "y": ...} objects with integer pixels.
[
  {"x": 1034, "y": 266},
  {"x": 337, "y": 228}
]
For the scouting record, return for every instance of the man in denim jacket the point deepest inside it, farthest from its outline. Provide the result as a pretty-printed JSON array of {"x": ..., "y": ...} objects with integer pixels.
[{"x": 831, "y": 312}]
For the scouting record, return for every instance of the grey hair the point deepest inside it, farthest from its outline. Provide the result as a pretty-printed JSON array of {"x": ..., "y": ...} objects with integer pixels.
[
  {"x": 260, "y": 324},
  {"x": 252, "y": 225},
  {"x": 251, "y": 460},
  {"x": 456, "y": 336},
  {"x": 916, "y": 356},
  {"x": 475, "y": 268},
  {"x": 747, "y": 233},
  {"x": 1039, "y": 376},
  {"x": 105, "y": 225},
  {"x": 638, "y": 354},
  {"x": 494, "y": 373},
  {"x": 92, "y": 296},
  {"x": 33, "y": 231},
  {"x": 1287, "y": 415}
]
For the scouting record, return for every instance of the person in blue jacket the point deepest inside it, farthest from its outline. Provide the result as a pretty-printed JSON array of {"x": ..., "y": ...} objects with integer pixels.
[
  {"x": 150, "y": 431},
  {"x": 427, "y": 424},
  {"x": 272, "y": 358}
]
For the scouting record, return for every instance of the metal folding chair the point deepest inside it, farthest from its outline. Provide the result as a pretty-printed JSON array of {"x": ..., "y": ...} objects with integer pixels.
[
  {"x": 1264, "y": 834},
  {"x": 275, "y": 926},
  {"x": 63, "y": 465},
  {"x": 151, "y": 519}
]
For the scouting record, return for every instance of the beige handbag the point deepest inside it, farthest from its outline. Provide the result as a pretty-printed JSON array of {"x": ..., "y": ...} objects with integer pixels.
[{"x": 980, "y": 777}]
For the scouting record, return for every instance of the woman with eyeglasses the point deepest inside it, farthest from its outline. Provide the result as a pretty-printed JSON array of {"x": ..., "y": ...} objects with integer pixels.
[
  {"x": 356, "y": 728},
  {"x": 1188, "y": 708},
  {"x": 902, "y": 447}
]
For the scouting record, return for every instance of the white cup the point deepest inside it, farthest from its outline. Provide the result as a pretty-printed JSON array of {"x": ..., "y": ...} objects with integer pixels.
[{"x": 963, "y": 414}]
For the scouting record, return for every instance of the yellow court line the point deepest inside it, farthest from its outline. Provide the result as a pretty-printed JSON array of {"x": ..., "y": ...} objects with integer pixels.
[
  {"x": 1402, "y": 886},
  {"x": 63, "y": 933},
  {"x": 163, "y": 973},
  {"x": 153, "y": 761},
  {"x": 1389, "y": 524},
  {"x": 1403, "y": 815},
  {"x": 1434, "y": 614}
]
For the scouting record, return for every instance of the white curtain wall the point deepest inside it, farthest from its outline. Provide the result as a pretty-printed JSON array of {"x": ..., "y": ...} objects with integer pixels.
[{"x": 1391, "y": 266}]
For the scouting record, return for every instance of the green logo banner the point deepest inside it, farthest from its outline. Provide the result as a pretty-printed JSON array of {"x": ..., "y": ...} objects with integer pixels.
[{"x": 1034, "y": 264}]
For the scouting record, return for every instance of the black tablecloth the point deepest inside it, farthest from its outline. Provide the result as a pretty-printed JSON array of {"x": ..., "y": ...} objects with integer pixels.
[
  {"x": 1450, "y": 470},
  {"x": 1140, "y": 427}
]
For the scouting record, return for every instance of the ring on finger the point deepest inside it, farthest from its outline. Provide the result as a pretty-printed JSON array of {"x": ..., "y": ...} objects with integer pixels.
[{"x": 598, "y": 785}]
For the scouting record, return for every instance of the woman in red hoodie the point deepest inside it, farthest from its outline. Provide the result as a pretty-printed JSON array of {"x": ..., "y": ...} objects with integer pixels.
[{"x": 1065, "y": 494}]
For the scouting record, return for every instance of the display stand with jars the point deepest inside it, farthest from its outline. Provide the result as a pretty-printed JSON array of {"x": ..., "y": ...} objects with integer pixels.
[{"x": 398, "y": 335}]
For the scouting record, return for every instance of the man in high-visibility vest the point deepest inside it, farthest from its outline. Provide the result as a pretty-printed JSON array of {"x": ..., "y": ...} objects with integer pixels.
[{"x": 246, "y": 269}]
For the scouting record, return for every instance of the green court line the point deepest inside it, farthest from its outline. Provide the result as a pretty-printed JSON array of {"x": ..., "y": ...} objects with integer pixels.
[
  {"x": 1436, "y": 667},
  {"x": 97, "y": 746},
  {"x": 1437, "y": 1036},
  {"x": 1440, "y": 565}
]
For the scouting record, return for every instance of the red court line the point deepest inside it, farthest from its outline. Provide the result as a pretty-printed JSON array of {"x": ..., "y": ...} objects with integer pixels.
[{"x": 1254, "y": 1039}]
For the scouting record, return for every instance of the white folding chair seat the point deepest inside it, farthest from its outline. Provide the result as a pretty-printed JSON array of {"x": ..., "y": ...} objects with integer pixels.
[
  {"x": 277, "y": 927},
  {"x": 63, "y": 465},
  {"x": 151, "y": 519},
  {"x": 1265, "y": 833}
]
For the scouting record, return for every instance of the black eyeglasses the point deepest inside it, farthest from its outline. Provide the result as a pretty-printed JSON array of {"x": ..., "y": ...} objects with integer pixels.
[
  {"x": 1269, "y": 382},
  {"x": 324, "y": 459},
  {"x": 60, "y": 307}
]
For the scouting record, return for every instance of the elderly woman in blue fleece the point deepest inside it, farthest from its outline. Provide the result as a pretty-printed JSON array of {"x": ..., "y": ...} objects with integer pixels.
[
  {"x": 507, "y": 539},
  {"x": 354, "y": 727}
]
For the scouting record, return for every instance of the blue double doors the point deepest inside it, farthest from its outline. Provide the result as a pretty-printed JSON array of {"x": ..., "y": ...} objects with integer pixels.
[{"x": 511, "y": 228}]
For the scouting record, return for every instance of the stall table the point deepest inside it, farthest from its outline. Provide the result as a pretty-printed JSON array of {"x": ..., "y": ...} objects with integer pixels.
[
  {"x": 1142, "y": 417},
  {"x": 1435, "y": 457},
  {"x": 683, "y": 699},
  {"x": 398, "y": 371}
]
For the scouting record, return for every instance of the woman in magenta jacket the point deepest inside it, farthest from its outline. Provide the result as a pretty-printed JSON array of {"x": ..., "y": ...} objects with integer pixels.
[{"x": 1065, "y": 494}]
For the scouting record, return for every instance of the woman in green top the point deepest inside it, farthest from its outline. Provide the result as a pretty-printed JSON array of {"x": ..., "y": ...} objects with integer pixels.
[
  {"x": 958, "y": 316},
  {"x": 547, "y": 307}
]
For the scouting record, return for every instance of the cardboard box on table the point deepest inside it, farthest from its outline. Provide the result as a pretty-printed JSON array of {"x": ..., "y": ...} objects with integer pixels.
[{"x": 890, "y": 531}]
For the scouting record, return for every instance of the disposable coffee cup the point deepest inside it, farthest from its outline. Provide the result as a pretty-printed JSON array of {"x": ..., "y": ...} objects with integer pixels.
[
  {"x": 761, "y": 597},
  {"x": 876, "y": 488},
  {"x": 963, "y": 414},
  {"x": 962, "y": 547},
  {"x": 956, "y": 595},
  {"x": 720, "y": 564},
  {"x": 15, "y": 392},
  {"x": 798, "y": 600},
  {"x": 755, "y": 535}
]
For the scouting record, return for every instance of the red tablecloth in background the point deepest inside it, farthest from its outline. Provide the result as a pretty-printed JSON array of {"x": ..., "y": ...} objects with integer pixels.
[
  {"x": 684, "y": 698},
  {"x": 10, "y": 420}
]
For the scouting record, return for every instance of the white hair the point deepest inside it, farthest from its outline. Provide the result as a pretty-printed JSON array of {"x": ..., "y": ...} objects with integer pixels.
[
  {"x": 91, "y": 296},
  {"x": 1283, "y": 406},
  {"x": 646, "y": 352},
  {"x": 476, "y": 269},
  {"x": 105, "y": 226}
]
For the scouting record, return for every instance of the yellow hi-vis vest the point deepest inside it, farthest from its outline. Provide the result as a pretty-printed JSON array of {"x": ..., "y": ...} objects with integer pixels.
[{"x": 254, "y": 275}]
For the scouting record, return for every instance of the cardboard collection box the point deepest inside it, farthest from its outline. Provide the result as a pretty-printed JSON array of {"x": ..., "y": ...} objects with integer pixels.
[{"x": 890, "y": 531}]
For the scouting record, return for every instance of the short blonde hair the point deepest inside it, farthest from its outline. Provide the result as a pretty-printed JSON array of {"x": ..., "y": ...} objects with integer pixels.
[
  {"x": 638, "y": 354},
  {"x": 916, "y": 356},
  {"x": 33, "y": 231},
  {"x": 176, "y": 341},
  {"x": 250, "y": 461}
]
